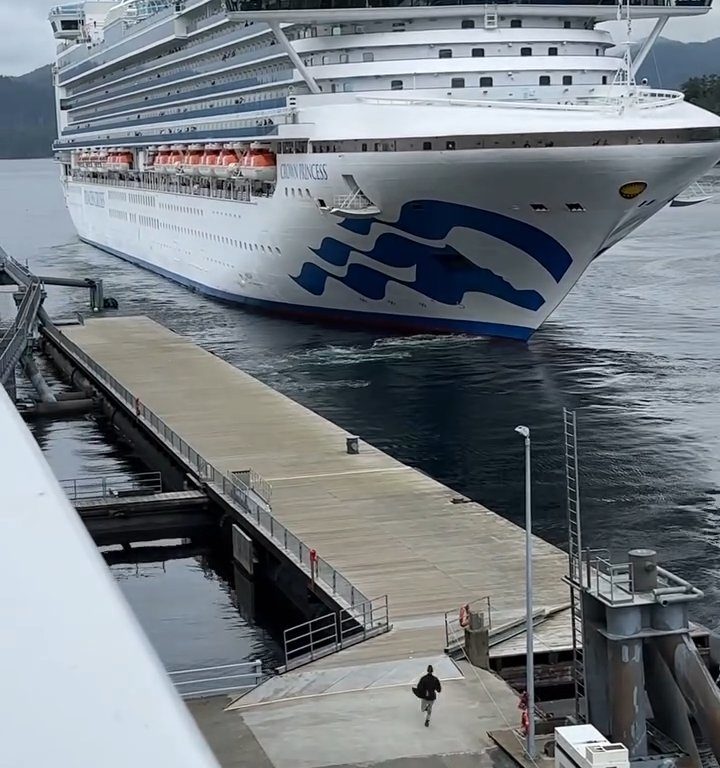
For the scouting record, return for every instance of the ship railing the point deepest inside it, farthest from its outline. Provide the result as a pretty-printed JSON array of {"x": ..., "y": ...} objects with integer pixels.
[
  {"x": 642, "y": 99},
  {"x": 238, "y": 189},
  {"x": 245, "y": 6}
]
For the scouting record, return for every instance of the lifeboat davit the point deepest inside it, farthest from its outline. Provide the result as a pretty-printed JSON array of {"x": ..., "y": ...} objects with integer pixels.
[
  {"x": 228, "y": 163},
  {"x": 259, "y": 163},
  {"x": 209, "y": 161}
]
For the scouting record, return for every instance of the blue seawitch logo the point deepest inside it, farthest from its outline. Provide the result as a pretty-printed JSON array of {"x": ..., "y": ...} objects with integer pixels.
[{"x": 441, "y": 272}]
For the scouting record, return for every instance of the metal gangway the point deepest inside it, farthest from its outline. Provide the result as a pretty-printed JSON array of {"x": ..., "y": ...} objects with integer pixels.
[{"x": 19, "y": 335}]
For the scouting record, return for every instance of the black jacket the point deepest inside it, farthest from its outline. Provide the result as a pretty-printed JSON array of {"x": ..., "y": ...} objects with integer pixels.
[{"x": 428, "y": 687}]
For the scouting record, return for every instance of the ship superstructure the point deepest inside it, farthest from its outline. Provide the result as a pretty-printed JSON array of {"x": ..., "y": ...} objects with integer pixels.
[{"x": 426, "y": 165}]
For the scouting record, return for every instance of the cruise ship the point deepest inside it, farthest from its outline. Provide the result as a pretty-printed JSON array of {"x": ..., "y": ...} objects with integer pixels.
[{"x": 424, "y": 165}]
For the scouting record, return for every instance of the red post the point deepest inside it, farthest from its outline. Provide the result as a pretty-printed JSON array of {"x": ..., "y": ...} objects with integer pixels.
[{"x": 313, "y": 565}]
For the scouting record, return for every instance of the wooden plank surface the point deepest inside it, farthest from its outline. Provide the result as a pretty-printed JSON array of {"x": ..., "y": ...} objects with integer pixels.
[{"x": 388, "y": 528}]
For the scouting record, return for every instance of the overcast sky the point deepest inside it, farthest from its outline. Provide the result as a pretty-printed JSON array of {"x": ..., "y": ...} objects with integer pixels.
[{"x": 28, "y": 43}]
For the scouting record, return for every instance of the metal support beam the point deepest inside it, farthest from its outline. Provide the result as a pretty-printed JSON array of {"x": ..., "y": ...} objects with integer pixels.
[
  {"x": 293, "y": 55},
  {"x": 648, "y": 44},
  {"x": 696, "y": 684},
  {"x": 626, "y": 678}
]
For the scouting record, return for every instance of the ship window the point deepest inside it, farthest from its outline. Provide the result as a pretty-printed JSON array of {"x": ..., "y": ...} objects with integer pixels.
[
  {"x": 486, "y": 82},
  {"x": 478, "y": 52},
  {"x": 574, "y": 207},
  {"x": 457, "y": 82},
  {"x": 467, "y": 24},
  {"x": 539, "y": 207},
  {"x": 449, "y": 145},
  {"x": 445, "y": 53},
  {"x": 427, "y": 144},
  {"x": 567, "y": 79},
  {"x": 597, "y": 51},
  {"x": 544, "y": 80},
  {"x": 325, "y": 59},
  {"x": 552, "y": 51},
  {"x": 368, "y": 56},
  {"x": 567, "y": 25},
  {"x": 344, "y": 58},
  {"x": 396, "y": 85},
  {"x": 604, "y": 79},
  {"x": 363, "y": 147},
  {"x": 526, "y": 51},
  {"x": 515, "y": 23}
]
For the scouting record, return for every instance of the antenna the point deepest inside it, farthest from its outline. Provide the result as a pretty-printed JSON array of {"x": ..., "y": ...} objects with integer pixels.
[
  {"x": 624, "y": 76},
  {"x": 627, "y": 58}
]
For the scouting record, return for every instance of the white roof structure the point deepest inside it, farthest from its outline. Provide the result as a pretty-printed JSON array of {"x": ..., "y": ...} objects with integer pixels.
[{"x": 81, "y": 685}]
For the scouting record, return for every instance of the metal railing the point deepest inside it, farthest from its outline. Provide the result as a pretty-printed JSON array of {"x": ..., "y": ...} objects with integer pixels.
[
  {"x": 111, "y": 486},
  {"x": 253, "y": 509},
  {"x": 19, "y": 334},
  {"x": 224, "y": 678},
  {"x": 455, "y": 631},
  {"x": 245, "y": 6},
  {"x": 254, "y": 481},
  {"x": 334, "y": 631}
]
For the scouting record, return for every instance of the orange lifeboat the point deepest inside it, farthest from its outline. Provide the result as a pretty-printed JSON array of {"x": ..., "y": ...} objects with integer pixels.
[
  {"x": 176, "y": 161},
  {"x": 209, "y": 161},
  {"x": 100, "y": 160},
  {"x": 193, "y": 158},
  {"x": 259, "y": 163},
  {"x": 111, "y": 160},
  {"x": 162, "y": 159},
  {"x": 123, "y": 161},
  {"x": 228, "y": 163}
]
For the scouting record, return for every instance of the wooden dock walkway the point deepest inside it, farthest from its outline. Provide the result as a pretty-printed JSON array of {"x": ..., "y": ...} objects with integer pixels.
[{"x": 388, "y": 528}]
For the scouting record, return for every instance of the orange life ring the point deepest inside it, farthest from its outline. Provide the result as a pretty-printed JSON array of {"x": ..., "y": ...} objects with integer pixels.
[{"x": 464, "y": 617}]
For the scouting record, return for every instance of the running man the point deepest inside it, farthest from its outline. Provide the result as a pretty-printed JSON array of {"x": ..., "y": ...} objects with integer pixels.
[{"x": 427, "y": 690}]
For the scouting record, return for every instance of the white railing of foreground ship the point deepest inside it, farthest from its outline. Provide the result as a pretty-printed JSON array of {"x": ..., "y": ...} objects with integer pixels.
[
  {"x": 641, "y": 99},
  {"x": 252, "y": 507},
  {"x": 239, "y": 189}
]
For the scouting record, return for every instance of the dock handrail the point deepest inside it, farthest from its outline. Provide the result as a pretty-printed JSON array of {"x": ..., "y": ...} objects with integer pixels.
[
  {"x": 334, "y": 631},
  {"x": 250, "y": 505},
  {"x": 102, "y": 486},
  {"x": 210, "y": 681}
]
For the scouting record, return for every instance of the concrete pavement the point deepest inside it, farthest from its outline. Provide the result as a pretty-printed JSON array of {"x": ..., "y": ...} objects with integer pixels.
[{"x": 380, "y": 726}]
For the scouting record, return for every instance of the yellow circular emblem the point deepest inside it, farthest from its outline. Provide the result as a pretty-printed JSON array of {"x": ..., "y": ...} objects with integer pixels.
[{"x": 632, "y": 189}]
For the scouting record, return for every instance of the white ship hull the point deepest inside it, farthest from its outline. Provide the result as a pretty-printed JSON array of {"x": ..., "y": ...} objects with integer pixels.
[{"x": 457, "y": 245}]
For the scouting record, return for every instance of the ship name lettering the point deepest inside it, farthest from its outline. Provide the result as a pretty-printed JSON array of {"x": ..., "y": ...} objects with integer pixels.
[{"x": 304, "y": 171}]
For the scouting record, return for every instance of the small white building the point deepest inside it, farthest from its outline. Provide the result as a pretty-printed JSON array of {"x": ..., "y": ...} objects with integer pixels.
[{"x": 583, "y": 746}]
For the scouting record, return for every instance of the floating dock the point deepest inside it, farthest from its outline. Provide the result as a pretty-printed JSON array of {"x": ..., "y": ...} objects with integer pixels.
[{"x": 387, "y": 528}]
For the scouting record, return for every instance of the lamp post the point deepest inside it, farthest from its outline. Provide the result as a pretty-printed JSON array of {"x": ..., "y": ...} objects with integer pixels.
[{"x": 530, "y": 659}]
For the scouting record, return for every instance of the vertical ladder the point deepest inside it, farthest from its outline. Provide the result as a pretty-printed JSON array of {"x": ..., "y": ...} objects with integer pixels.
[{"x": 575, "y": 564}]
